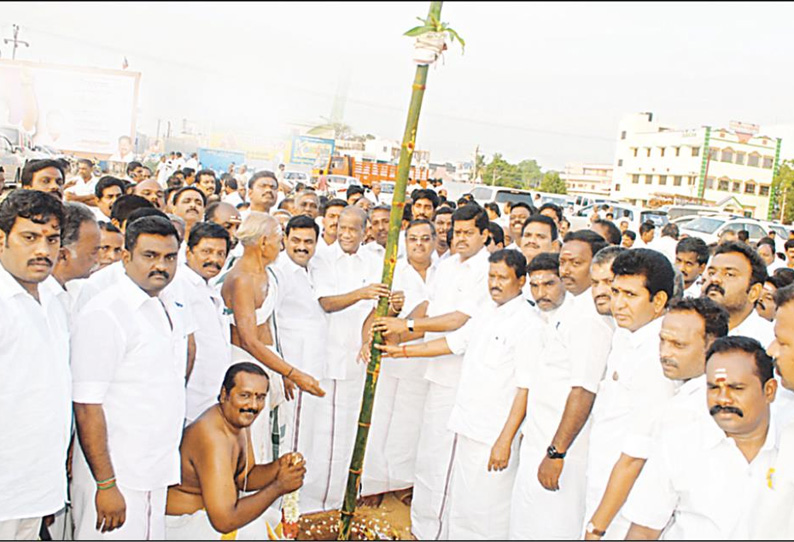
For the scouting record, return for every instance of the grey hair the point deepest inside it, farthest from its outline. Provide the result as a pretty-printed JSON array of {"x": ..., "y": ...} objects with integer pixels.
[
  {"x": 607, "y": 255},
  {"x": 360, "y": 213},
  {"x": 255, "y": 226},
  {"x": 75, "y": 215},
  {"x": 304, "y": 193},
  {"x": 176, "y": 218}
]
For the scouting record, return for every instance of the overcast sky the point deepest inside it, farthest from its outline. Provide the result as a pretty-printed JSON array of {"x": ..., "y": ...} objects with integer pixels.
[{"x": 548, "y": 81}]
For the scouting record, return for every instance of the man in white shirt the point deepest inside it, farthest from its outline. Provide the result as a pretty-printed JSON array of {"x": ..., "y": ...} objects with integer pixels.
[
  {"x": 347, "y": 287},
  {"x": 228, "y": 217},
  {"x": 193, "y": 162},
  {"x": 734, "y": 280},
  {"x": 538, "y": 235},
  {"x": 460, "y": 291},
  {"x": 307, "y": 203},
  {"x": 330, "y": 223},
  {"x": 231, "y": 191},
  {"x": 481, "y": 481},
  {"x": 442, "y": 221},
  {"x": 189, "y": 203},
  {"x": 688, "y": 330},
  {"x": 691, "y": 256},
  {"x": 129, "y": 364},
  {"x": 81, "y": 188},
  {"x": 108, "y": 190},
  {"x": 703, "y": 478},
  {"x": 558, "y": 390},
  {"x": 647, "y": 234},
  {"x": 667, "y": 243},
  {"x": 78, "y": 256},
  {"x": 379, "y": 226},
  {"x": 424, "y": 203},
  {"x": 302, "y": 325},
  {"x": 402, "y": 388},
  {"x": 775, "y": 521},
  {"x": 262, "y": 191},
  {"x": 519, "y": 213},
  {"x": 207, "y": 247},
  {"x": 634, "y": 386},
  {"x": 206, "y": 182},
  {"x": 35, "y": 389},
  {"x": 767, "y": 251}
]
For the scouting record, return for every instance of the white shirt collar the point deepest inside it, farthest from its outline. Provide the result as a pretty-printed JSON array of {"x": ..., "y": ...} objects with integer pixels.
[
  {"x": 9, "y": 287},
  {"x": 647, "y": 334},
  {"x": 132, "y": 294}
]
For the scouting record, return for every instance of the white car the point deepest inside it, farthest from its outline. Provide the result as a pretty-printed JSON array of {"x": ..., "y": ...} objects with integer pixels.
[
  {"x": 709, "y": 228},
  {"x": 292, "y": 178},
  {"x": 337, "y": 185}
]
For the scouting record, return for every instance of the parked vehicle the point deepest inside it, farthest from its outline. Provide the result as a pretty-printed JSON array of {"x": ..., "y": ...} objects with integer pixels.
[
  {"x": 501, "y": 195},
  {"x": 292, "y": 178},
  {"x": 337, "y": 185},
  {"x": 709, "y": 228},
  {"x": 12, "y": 160}
]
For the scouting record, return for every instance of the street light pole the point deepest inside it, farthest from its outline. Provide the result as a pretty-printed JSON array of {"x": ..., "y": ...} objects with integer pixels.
[{"x": 16, "y": 41}]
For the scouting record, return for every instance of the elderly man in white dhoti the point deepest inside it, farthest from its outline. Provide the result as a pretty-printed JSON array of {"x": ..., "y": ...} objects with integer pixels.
[
  {"x": 249, "y": 292},
  {"x": 217, "y": 458}
]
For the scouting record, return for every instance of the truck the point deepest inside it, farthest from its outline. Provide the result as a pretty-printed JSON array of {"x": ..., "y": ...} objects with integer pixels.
[{"x": 366, "y": 171}]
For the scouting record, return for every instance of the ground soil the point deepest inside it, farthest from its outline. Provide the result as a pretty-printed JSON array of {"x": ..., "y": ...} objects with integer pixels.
[{"x": 389, "y": 521}]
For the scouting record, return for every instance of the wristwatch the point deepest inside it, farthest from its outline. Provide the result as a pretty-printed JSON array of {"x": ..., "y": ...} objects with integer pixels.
[
  {"x": 552, "y": 452},
  {"x": 410, "y": 324},
  {"x": 591, "y": 529}
]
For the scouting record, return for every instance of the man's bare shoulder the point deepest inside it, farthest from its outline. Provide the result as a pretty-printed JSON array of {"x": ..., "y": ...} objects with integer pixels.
[{"x": 206, "y": 432}]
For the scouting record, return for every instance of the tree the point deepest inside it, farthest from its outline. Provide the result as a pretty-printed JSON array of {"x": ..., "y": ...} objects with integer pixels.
[
  {"x": 500, "y": 172},
  {"x": 552, "y": 183},
  {"x": 531, "y": 174},
  {"x": 783, "y": 186}
]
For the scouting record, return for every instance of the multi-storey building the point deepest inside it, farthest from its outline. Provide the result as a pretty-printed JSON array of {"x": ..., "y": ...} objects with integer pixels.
[
  {"x": 707, "y": 165},
  {"x": 588, "y": 179}
]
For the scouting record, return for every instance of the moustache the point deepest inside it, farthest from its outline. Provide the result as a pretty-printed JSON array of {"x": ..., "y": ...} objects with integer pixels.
[
  {"x": 249, "y": 410},
  {"x": 543, "y": 300},
  {"x": 668, "y": 361},
  {"x": 716, "y": 409},
  {"x": 714, "y": 287},
  {"x": 603, "y": 297},
  {"x": 301, "y": 251},
  {"x": 212, "y": 264},
  {"x": 35, "y": 261},
  {"x": 161, "y": 273}
]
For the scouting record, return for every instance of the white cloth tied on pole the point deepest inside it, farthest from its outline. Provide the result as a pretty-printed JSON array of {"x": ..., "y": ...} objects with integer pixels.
[{"x": 428, "y": 47}]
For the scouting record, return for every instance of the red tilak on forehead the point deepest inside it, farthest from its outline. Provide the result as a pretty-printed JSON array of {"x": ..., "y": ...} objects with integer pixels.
[{"x": 720, "y": 375}]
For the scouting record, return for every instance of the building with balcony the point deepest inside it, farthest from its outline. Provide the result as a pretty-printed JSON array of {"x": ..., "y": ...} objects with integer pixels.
[
  {"x": 592, "y": 180},
  {"x": 655, "y": 165}
]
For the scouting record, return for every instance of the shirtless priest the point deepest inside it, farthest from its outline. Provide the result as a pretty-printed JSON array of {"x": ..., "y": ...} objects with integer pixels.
[{"x": 217, "y": 465}]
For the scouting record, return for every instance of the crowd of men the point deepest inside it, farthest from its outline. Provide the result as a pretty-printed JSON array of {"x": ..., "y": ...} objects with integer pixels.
[{"x": 180, "y": 356}]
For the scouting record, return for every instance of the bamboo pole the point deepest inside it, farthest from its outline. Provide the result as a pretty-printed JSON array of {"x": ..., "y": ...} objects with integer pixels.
[{"x": 389, "y": 261}]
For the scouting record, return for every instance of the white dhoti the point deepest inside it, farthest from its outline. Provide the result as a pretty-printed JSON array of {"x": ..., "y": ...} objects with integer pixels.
[
  {"x": 479, "y": 500},
  {"x": 397, "y": 415},
  {"x": 197, "y": 526},
  {"x": 20, "y": 529},
  {"x": 433, "y": 465},
  {"x": 145, "y": 510},
  {"x": 540, "y": 514},
  {"x": 335, "y": 423}
]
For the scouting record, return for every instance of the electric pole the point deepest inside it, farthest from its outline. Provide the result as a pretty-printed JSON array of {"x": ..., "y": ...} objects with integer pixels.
[{"x": 16, "y": 41}]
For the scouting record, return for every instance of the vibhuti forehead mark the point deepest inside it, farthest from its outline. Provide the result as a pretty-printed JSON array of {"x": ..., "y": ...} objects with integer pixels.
[{"x": 721, "y": 375}]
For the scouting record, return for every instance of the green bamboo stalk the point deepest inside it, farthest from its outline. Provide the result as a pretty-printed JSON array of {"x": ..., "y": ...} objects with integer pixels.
[{"x": 389, "y": 261}]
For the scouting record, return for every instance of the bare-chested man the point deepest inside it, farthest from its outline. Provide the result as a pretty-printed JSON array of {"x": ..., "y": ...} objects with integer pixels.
[
  {"x": 217, "y": 459},
  {"x": 252, "y": 337}
]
